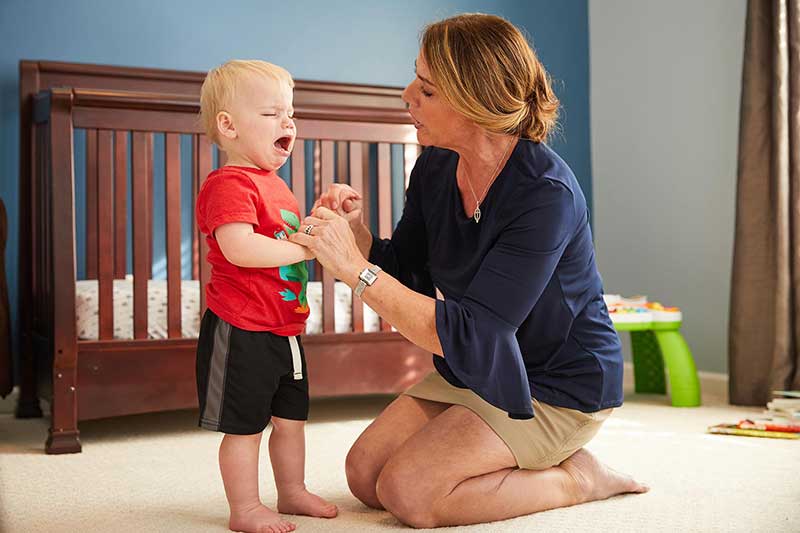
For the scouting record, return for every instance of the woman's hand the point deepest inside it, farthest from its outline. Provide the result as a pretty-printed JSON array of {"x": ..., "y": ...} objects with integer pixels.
[
  {"x": 332, "y": 242},
  {"x": 344, "y": 200}
]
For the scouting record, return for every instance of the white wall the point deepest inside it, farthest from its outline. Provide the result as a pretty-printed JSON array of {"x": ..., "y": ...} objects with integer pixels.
[{"x": 665, "y": 87}]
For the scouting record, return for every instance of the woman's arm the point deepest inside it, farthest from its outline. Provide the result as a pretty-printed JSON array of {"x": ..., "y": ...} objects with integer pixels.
[
  {"x": 411, "y": 313},
  {"x": 363, "y": 239},
  {"x": 333, "y": 243},
  {"x": 244, "y": 247}
]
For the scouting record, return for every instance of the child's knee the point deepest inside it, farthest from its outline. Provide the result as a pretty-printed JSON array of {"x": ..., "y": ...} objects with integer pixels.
[{"x": 287, "y": 425}]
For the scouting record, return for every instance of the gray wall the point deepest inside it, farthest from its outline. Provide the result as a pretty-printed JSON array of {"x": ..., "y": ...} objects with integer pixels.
[{"x": 665, "y": 83}]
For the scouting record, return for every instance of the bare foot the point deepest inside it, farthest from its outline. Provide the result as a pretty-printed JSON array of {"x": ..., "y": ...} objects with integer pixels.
[
  {"x": 595, "y": 481},
  {"x": 259, "y": 519},
  {"x": 305, "y": 503}
]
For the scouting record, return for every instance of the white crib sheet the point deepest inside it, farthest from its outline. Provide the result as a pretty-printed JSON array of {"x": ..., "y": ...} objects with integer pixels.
[{"x": 86, "y": 307}]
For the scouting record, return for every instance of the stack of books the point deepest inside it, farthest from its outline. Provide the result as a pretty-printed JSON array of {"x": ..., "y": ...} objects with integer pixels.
[
  {"x": 781, "y": 420},
  {"x": 785, "y": 404}
]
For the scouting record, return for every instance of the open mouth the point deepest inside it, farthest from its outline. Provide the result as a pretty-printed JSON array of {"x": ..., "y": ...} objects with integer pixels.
[{"x": 284, "y": 143}]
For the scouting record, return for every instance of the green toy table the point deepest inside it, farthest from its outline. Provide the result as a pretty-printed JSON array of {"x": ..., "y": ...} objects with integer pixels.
[{"x": 660, "y": 345}]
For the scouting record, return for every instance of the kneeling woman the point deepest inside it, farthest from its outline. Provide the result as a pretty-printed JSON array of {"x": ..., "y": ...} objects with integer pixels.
[{"x": 528, "y": 365}]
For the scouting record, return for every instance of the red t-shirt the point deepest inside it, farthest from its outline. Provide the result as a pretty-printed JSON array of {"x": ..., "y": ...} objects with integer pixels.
[{"x": 254, "y": 299}]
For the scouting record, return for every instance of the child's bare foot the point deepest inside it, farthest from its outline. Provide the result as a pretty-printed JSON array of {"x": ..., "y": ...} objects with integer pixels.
[
  {"x": 305, "y": 503},
  {"x": 259, "y": 519}
]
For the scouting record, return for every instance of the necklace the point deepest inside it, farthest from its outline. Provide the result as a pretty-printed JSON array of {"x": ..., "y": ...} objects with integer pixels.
[{"x": 477, "y": 213}]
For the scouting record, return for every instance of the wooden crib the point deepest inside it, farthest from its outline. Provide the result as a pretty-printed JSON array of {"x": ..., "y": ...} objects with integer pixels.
[{"x": 119, "y": 110}]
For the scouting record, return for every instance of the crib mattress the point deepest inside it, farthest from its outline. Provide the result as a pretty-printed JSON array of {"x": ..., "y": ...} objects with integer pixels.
[{"x": 87, "y": 309}]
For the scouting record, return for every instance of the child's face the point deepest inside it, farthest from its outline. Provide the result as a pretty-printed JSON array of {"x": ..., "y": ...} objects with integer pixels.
[{"x": 261, "y": 112}]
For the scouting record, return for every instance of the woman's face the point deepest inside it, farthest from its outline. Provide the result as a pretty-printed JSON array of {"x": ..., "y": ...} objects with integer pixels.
[{"x": 437, "y": 123}]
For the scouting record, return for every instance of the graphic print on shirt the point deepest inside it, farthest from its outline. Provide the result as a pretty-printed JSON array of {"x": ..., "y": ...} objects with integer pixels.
[{"x": 296, "y": 272}]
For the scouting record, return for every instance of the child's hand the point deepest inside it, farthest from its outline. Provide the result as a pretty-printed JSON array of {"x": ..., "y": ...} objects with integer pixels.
[
  {"x": 335, "y": 197},
  {"x": 343, "y": 200}
]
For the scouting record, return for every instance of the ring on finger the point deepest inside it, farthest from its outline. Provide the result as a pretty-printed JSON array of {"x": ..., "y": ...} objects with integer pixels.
[{"x": 308, "y": 229}]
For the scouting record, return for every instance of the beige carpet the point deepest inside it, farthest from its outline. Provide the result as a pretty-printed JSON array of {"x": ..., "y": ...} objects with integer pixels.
[{"x": 159, "y": 473}]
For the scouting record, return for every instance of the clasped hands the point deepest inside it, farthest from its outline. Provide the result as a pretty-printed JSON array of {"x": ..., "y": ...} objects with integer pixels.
[{"x": 329, "y": 232}]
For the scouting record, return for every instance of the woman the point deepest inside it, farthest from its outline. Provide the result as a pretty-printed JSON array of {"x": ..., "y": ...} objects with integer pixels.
[{"x": 528, "y": 365}]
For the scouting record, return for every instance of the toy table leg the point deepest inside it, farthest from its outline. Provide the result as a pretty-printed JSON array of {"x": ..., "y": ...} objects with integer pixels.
[
  {"x": 648, "y": 365},
  {"x": 683, "y": 380}
]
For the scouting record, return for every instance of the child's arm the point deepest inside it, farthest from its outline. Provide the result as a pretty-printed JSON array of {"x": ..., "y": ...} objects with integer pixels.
[{"x": 243, "y": 247}]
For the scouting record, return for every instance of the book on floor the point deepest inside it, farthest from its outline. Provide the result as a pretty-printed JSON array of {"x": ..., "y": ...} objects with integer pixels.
[
  {"x": 734, "y": 429},
  {"x": 781, "y": 419}
]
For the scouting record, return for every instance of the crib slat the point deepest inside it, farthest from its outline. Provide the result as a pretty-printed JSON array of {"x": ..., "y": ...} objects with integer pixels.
[
  {"x": 120, "y": 203},
  {"x": 366, "y": 190},
  {"x": 328, "y": 323},
  {"x": 384, "y": 190},
  {"x": 385, "y": 199},
  {"x": 357, "y": 183},
  {"x": 141, "y": 228},
  {"x": 315, "y": 179},
  {"x": 172, "y": 193},
  {"x": 105, "y": 215},
  {"x": 91, "y": 204},
  {"x": 410, "y": 152},
  {"x": 317, "y": 170},
  {"x": 150, "y": 192},
  {"x": 299, "y": 176},
  {"x": 196, "y": 235},
  {"x": 204, "y": 167},
  {"x": 341, "y": 162}
]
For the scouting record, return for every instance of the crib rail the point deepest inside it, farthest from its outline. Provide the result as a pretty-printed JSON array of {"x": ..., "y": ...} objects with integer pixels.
[{"x": 119, "y": 135}]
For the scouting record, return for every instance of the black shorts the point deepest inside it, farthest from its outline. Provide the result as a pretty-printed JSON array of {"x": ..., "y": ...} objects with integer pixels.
[{"x": 246, "y": 377}]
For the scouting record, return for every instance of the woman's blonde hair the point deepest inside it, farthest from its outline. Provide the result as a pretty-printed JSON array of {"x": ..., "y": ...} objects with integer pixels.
[
  {"x": 485, "y": 69},
  {"x": 219, "y": 87}
]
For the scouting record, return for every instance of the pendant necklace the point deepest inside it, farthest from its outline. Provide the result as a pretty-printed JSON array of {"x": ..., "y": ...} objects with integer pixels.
[{"x": 477, "y": 213}]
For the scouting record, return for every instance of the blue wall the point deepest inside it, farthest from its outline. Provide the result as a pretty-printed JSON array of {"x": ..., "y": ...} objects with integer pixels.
[{"x": 354, "y": 41}]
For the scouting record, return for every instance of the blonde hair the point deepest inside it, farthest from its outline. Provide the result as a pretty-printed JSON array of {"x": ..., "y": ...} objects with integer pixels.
[
  {"x": 485, "y": 69},
  {"x": 219, "y": 87}
]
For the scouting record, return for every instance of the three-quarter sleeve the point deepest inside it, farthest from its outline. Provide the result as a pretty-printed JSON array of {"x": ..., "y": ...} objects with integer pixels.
[
  {"x": 478, "y": 331},
  {"x": 405, "y": 255}
]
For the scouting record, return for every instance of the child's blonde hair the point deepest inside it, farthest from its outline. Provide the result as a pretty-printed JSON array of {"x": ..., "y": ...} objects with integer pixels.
[{"x": 220, "y": 85}]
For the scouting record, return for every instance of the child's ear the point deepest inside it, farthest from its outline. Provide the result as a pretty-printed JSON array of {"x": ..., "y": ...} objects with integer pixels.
[{"x": 225, "y": 125}]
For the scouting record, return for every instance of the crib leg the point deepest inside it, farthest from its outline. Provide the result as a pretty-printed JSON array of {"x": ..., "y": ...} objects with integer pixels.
[
  {"x": 63, "y": 441},
  {"x": 64, "y": 435},
  {"x": 28, "y": 402}
]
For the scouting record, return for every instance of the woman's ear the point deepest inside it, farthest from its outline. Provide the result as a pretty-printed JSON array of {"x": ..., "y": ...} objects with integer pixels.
[{"x": 225, "y": 125}]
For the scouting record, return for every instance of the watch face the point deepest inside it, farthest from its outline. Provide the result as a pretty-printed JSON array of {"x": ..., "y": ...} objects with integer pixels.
[{"x": 368, "y": 277}]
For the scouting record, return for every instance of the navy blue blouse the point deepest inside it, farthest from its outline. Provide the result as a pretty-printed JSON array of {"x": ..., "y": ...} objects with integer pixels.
[{"x": 523, "y": 314}]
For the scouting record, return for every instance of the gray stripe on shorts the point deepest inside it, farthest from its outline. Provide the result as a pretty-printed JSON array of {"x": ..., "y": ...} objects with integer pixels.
[{"x": 216, "y": 376}]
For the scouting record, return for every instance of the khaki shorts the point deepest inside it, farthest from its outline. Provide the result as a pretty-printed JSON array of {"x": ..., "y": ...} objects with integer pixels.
[{"x": 538, "y": 443}]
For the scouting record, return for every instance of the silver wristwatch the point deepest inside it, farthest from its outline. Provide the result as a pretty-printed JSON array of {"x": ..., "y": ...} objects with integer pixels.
[{"x": 366, "y": 278}]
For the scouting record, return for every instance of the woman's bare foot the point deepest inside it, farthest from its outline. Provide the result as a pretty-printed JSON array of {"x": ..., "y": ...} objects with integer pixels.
[
  {"x": 259, "y": 519},
  {"x": 595, "y": 481},
  {"x": 305, "y": 503}
]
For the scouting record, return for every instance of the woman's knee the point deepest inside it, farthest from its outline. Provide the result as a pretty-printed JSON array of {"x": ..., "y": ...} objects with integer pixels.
[
  {"x": 399, "y": 493},
  {"x": 362, "y": 475}
]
